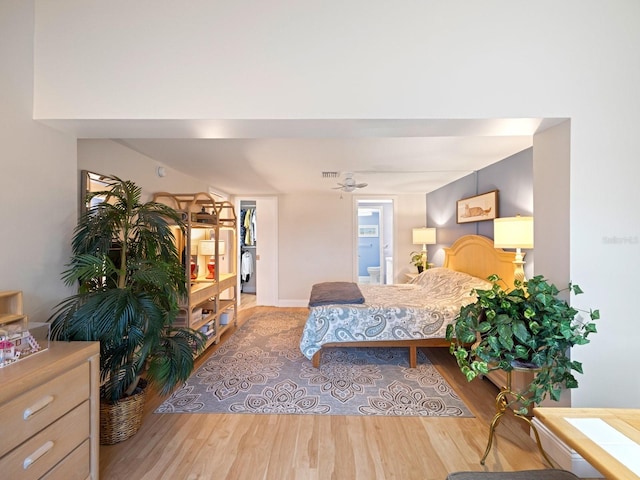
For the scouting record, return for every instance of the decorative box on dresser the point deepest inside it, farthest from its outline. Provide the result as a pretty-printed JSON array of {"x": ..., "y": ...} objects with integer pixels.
[{"x": 49, "y": 409}]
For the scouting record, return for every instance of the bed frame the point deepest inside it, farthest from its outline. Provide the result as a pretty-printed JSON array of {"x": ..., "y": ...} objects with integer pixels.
[{"x": 472, "y": 254}]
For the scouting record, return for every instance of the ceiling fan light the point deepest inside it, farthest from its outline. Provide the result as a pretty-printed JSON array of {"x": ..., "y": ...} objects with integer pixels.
[{"x": 349, "y": 184}]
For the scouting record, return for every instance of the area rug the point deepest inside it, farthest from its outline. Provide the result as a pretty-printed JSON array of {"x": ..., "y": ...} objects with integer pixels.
[{"x": 260, "y": 369}]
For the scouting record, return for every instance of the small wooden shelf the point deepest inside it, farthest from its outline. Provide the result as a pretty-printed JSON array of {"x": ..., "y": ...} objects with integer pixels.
[
  {"x": 11, "y": 308},
  {"x": 10, "y": 318},
  {"x": 197, "y": 324}
]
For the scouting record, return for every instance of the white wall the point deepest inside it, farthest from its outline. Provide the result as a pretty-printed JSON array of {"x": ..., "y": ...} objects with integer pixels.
[
  {"x": 316, "y": 243},
  {"x": 551, "y": 180},
  {"x": 38, "y": 184},
  {"x": 574, "y": 59},
  {"x": 111, "y": 158},
  {"x": 410, "y": 212}
]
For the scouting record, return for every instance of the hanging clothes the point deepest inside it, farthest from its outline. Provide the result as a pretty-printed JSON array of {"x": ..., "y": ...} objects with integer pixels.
[
  {"x": 246, "y": 266},
  {"x": 249, "y": 224},
  {"x": 243, "y": 230}
]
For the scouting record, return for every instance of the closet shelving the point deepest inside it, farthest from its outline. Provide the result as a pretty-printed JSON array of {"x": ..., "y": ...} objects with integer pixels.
[{"x": 212, "y": 303}]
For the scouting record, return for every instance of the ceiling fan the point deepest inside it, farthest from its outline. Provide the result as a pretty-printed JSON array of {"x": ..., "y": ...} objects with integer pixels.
[{"x": 349, "y": 184}]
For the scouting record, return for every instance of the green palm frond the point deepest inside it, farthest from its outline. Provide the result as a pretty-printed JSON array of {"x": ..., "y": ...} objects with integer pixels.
[
  {"x": 130, "y": 282},
  {"x": 172, "y": 362}
]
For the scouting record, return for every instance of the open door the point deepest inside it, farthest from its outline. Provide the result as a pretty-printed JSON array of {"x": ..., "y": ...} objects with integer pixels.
[
  {"x": 263, "y": 250},
  {"x": 374, "y": 240}
]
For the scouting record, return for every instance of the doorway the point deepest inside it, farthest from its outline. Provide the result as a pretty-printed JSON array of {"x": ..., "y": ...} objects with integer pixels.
[
  {"x": 258, "y": 250},
  {"x": 374, "y": 240}
]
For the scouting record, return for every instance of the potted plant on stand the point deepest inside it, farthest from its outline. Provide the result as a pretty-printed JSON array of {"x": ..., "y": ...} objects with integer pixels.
[
  {"x": 130, "y": 281},
  {"x": 528, "y": 327},
  {"x": 417, "y": 259}
]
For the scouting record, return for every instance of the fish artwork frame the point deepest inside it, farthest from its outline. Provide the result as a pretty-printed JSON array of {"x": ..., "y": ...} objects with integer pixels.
[{"x": 478, "y": 208}]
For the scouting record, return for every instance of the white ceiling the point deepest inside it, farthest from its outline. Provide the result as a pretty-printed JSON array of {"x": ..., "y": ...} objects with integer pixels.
[{"x": 253, "y": 157}]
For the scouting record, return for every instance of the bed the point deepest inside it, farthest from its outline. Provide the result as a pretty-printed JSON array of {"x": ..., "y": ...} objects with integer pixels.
[{"x": 410, "y": 315}]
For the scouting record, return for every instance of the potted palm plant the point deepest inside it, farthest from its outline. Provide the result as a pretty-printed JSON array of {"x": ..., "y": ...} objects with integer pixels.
[
  {"x": 528, "y": 327},
  {"x": 130, "y": 281}
]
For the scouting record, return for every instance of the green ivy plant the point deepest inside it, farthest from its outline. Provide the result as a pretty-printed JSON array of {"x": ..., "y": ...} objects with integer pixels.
[{"x": 528, "y": 327}]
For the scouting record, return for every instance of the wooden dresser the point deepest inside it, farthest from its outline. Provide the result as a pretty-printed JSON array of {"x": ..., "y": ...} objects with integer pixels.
[{"x": 49, "y": 414}]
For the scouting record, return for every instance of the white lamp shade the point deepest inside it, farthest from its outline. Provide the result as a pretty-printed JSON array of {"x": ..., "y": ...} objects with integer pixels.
[
  {"x": 194, "y": 248},
  {"x": 513, "y": 232},
  {"x": 208, "y": 247},
  {"x": 424, "y": 236}
]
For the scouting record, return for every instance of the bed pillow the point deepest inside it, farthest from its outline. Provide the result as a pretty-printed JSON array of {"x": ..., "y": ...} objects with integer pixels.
[{"x": 437, "y": 278}]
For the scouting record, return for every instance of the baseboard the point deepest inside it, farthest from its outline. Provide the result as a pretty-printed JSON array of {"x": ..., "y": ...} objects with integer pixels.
[
  {"x": 560, "y": 453},
  {"x": 293, "y": 303}
]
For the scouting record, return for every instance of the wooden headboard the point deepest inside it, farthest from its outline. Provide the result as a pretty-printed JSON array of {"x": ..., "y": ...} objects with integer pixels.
[{"x": 476, "y": 255}]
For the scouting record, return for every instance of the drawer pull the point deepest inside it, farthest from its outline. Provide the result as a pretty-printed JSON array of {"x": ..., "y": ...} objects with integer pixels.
[
  {"x": 36, "y": 407},
  {"x": 35, "y": 456}
]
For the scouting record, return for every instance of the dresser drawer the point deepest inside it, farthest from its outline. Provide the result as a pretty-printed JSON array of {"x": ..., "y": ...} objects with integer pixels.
[
  {"x": 39, "y": 454},
  {"x": 32, "y": 411},
  {"x": 74, "y": 466}
]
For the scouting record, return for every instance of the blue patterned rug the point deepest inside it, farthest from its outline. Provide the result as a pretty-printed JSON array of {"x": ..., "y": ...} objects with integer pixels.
[{"x": 260, "y": 369}]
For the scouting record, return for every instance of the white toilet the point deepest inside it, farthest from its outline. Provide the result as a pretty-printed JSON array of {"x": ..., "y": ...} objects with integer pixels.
[{"x": 374, "y": 274}]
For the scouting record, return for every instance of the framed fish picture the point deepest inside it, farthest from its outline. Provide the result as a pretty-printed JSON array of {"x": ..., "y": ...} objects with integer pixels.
[{"x": 478, "y": 208}]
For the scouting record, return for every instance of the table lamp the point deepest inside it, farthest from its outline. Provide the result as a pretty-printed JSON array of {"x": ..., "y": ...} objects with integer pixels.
[
  {"x": 514, "y": 232},
  {"x": 208, "y": 248},
  {"x": 424, "y": 236}
]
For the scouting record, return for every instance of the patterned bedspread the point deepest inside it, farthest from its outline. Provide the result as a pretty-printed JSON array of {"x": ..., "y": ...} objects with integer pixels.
[{"x": 418, "y": 310}]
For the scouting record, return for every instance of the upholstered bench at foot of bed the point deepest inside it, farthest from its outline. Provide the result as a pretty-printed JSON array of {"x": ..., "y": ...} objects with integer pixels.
[{"x": 549, "y": 474}]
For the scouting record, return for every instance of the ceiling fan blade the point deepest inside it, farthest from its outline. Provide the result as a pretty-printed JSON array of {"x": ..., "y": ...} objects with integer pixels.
[{"x": 349, "y": 185}]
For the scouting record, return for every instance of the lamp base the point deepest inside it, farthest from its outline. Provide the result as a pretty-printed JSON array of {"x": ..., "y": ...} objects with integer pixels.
[
  {"x": 519, "y": 267},
  {"x": 194, "y": 272},
  {"x": 211, "y": 266}
]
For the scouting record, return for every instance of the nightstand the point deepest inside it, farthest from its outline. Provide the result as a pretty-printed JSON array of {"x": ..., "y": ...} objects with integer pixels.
[{"x": 411, "y": 275}]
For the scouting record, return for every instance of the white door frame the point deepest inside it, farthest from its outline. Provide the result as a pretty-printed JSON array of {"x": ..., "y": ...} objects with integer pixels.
[
  {"x": 266, "y": 248},
  {"x": 373, "y": 198}
]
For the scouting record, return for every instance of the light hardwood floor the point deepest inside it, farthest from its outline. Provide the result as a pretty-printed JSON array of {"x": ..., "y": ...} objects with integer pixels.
[
  {"x": 283, "y": 447},
  {"x": 247, "y": 300}
]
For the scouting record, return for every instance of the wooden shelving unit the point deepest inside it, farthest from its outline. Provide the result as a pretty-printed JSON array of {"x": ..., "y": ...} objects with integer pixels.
[{"x": 212, "y": 304}]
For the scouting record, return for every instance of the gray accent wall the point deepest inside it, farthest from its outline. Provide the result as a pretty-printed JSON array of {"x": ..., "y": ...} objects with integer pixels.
[{"x": 512, "y": 177}]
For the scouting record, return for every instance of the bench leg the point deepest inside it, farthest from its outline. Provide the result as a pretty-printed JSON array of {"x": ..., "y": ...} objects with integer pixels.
[{"x": 413, "y": 357}]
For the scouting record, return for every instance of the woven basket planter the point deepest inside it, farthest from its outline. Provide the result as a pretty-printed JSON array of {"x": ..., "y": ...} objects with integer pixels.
[{"x": 120, "y": 421}]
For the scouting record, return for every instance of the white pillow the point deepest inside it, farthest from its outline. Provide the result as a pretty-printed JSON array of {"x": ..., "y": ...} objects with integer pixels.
[{"x": 440, "y": 277}]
